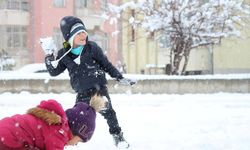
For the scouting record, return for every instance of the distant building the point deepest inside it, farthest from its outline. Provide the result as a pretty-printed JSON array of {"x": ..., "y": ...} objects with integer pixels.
[
  {"x": 139, "y": 51},
  {"x": 24, "y": 22},
  {"x": 232, "y": 56}
]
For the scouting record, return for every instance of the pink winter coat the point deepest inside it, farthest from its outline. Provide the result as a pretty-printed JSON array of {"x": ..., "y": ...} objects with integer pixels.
[{"x": 44, "y": 127}]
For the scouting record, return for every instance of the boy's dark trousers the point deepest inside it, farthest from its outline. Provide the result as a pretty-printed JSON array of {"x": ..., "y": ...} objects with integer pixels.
[{"x": 109, "y": 113}]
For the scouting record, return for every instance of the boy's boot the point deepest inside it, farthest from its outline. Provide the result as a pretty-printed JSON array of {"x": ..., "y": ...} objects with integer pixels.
[{"x": 119, "y": 140}]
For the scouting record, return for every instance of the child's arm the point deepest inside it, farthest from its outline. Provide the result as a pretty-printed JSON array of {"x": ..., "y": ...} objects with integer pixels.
[
  {"x": 105, "y": 63},
  {"x": 108, "y": 67},
  {"x": 59, "y": 68}
]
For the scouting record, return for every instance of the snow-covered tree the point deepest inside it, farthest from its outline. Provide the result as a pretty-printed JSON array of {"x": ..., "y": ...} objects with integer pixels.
[{"x": 187, "y": 24}]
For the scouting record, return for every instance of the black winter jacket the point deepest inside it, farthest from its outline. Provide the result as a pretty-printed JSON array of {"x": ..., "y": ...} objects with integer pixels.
[{"x": 90, "y": 73}]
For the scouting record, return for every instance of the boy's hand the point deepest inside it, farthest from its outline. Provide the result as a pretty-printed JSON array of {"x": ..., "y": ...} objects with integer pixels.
[
  {"x": 125, "y": 81},
  {"x": 48, "y": 45}
]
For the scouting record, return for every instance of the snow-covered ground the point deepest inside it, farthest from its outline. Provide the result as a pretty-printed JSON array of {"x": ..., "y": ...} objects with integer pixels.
[{"x": 160, "y": 122}]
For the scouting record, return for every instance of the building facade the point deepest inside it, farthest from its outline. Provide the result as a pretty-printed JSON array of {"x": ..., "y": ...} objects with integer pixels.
[
  {"x": 231, "y": 56},
  {"x": 139, "y": 51},
  {"x": 24, "y": 22}
]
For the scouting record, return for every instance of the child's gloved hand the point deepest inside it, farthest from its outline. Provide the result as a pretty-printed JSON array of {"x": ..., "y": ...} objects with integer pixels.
[
  {"x": 125, "y": 81},
  {"x": 48, "y": 45},
  {"x": 49, "y": 59}
]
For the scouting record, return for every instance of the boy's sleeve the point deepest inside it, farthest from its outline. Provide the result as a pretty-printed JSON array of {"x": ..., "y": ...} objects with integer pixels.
[
  {"x": 54, "y": 71},
  {"x": 105, "y": 63}
]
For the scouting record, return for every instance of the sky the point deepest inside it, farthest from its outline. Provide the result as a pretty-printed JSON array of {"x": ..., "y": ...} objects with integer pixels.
[{"x": 217, "y": 121}]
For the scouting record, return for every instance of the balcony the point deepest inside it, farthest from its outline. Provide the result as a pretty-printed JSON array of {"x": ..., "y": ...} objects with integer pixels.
[{"x": 14, "y": 17}]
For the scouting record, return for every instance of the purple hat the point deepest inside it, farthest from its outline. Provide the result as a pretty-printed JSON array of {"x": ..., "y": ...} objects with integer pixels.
[{"x": 81, "y": 120}]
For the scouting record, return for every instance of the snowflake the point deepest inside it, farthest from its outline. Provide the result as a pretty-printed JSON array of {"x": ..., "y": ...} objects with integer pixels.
[
  {"x": 39, "y": 126},
  {"x": 82, "y": 113},
  {"x": 61, "y": 131},
  {"x": 16, "y": 124},
  {"x": 2, "y": 139}
]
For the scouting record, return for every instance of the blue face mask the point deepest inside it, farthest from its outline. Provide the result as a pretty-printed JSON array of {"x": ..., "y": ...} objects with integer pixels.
[{"x": 77, "y": 50}]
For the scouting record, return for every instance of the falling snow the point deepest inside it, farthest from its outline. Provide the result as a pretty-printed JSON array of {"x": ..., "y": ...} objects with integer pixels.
[{"x": 17, "y": 124}]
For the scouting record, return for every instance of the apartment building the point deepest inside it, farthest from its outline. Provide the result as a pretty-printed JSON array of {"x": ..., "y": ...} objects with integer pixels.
[{"x": 24, "y": 22}]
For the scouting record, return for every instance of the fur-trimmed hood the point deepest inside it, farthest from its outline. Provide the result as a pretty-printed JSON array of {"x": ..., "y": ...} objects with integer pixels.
[
  {"x": 50, "y": 111},
  {"x": 49, "y": 117}
]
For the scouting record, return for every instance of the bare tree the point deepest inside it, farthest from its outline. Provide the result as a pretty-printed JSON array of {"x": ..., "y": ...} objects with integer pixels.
[{"x": 187, "y": 24}]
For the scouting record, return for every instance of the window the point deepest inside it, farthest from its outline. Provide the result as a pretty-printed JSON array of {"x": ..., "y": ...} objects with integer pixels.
[
  {"x": 24, "y": 5},
  {"x": 15, "y": 5},
  {"x": 83, "y": 3},
  {"x": 12, "y": 4},
  {"x": 132, "y": 28},
  {"x": 59, "y": 3},
  {"x": 104, "y": 4},
  {"x": 16, "y": 36}
]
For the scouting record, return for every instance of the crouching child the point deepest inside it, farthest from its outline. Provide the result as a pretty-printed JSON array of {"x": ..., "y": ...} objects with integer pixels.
[{"x": 48, "y": 127}]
